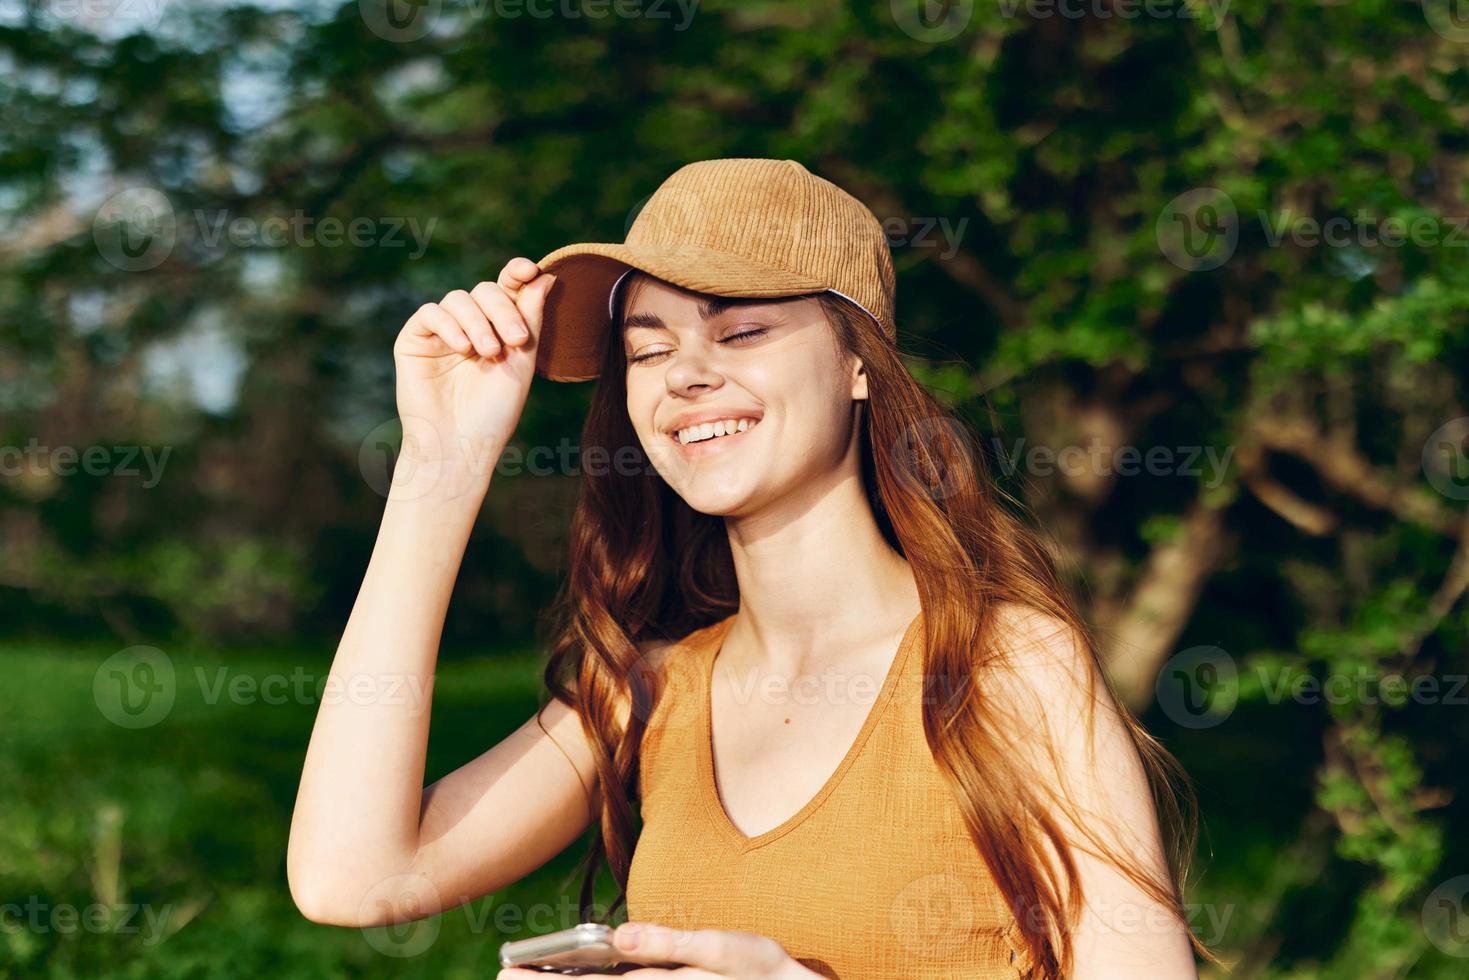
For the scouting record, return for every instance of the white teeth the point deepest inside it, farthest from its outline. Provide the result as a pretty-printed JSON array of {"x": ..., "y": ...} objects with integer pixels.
[{"x": 713, "y": 430}]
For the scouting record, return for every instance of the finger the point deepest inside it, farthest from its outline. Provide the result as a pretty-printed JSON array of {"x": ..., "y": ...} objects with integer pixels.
[
  {"x": 719, "y": 951},
  {"x": 473, "y": 321},
  {"x": 517, "y": 272},
  {"x": 432, "y": 320},
  {"x": 503, "y": 314},
  {"x": 532, "y": 302}
]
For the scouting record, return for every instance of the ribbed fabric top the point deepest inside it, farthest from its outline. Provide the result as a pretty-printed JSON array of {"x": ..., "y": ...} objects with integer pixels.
[{"x": 875, "y": 877}]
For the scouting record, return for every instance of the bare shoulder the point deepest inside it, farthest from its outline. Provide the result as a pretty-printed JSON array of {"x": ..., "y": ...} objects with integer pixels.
[
  {"x": 1035, "y": 640},
  {"x": 1047, "y": 666}
]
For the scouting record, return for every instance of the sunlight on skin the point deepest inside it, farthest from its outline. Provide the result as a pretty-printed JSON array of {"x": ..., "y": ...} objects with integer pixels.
[{"x": 779, "y": 360}]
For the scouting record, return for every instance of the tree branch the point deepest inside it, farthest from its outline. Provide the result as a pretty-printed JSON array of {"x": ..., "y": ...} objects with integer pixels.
[
  {"x": 1342, "y": 467},
  {"x": 1172, "y": 580}
]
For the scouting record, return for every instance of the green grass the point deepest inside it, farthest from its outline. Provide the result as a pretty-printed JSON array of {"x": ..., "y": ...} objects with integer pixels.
[{"x": 181, "y": 826}]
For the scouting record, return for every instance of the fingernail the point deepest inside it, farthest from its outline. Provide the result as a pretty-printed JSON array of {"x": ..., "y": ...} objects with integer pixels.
[{"x": 631, "y": 936}]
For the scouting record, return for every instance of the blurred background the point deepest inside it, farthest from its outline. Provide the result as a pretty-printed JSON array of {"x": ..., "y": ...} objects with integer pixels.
[{"x": 1194, "y": 271}]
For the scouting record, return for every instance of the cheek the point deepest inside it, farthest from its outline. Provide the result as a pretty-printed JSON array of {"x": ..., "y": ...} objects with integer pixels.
[{"x": 640, "y": 409}]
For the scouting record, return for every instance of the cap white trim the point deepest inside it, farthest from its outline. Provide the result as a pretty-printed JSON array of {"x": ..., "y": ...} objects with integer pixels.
[
  {"x": 856, "y": 304},
  {"x": 612, "y": 294}
]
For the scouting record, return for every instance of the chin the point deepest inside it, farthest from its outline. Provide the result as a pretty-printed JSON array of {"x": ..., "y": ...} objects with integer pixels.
[{"x": 702, "y": 494}]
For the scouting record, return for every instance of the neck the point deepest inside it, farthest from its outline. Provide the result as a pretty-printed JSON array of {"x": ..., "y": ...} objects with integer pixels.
[{"x": 817, "y": 580}]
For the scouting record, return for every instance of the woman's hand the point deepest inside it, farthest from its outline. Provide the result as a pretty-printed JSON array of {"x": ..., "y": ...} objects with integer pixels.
[
  {"x": 707, "y": 954},
  {"x": 465, "y": 365}
]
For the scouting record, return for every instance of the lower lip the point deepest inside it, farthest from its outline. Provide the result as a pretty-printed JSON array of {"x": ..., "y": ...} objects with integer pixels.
[{"x": 712, "y": 447}]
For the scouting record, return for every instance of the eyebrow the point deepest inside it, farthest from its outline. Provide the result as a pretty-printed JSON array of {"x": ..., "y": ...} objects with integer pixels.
[{"x": 709, "y": 308}]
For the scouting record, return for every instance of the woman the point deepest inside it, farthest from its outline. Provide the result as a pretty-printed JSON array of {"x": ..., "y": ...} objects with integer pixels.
[{"x": 868, "y": 733}]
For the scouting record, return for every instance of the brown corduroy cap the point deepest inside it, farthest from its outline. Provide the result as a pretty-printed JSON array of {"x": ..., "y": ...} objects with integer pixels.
[{"x": 728, "y": 227}]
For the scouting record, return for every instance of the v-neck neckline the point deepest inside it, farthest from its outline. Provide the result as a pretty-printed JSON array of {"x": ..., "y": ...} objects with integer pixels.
[{"x": 709, "y": 783}]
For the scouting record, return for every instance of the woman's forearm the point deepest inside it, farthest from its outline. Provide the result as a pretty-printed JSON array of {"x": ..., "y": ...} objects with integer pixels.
[{"x": 357, "y": 810}]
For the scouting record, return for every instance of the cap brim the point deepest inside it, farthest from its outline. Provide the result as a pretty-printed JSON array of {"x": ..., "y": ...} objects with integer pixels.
[{"x": 575, "y": 320}]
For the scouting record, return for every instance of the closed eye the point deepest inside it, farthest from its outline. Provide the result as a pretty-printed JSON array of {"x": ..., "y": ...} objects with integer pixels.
[{"x": 735, "y": 337}]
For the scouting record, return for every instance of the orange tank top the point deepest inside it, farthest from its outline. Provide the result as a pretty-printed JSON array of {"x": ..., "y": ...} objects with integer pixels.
[{"x": 875, "y": 877}]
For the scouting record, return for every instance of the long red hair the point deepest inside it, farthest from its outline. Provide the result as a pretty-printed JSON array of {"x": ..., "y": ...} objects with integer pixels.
[{"x": 646, "y": 565}]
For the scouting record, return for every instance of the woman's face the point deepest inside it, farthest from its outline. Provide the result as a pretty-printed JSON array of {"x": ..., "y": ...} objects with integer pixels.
[{"x": 770, "y": 366}]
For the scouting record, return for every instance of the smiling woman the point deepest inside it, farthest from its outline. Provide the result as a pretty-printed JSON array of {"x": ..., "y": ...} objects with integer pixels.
[
  {"x": 960, "y": 796},
  {"x": 989, "y": 812},
  {"x": 993, "y": 776}
]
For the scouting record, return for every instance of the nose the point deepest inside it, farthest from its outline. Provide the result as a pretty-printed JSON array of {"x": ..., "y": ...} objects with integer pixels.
[{"x": 691, "y": 373}]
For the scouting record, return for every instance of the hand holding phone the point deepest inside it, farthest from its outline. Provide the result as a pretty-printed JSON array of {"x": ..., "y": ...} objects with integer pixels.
[{"x": 584, "y": 948}]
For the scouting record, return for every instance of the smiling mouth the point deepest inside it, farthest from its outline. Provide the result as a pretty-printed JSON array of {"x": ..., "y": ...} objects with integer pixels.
[{"x": 711, "y": 431}]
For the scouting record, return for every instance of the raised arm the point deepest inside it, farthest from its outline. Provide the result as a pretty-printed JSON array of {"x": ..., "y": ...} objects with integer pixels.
[{"x": 369, "y": 844}]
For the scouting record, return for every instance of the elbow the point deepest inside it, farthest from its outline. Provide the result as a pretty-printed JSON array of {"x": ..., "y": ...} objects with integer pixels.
[
  {"x": 330, "y": 897},
  {"x": 321, "y": 899},
  {"x": 316, "y": 904}
]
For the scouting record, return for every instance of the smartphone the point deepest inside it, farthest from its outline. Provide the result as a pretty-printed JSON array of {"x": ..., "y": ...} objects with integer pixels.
[{"x": 584, "y": 948}]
